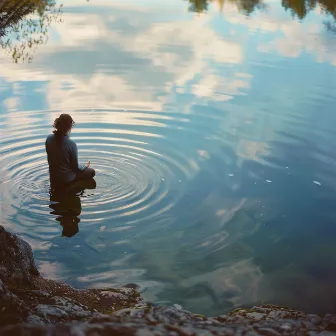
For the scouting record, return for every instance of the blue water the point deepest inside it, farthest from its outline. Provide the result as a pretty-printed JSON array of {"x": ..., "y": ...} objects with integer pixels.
[{"x": 213, "y": 136}]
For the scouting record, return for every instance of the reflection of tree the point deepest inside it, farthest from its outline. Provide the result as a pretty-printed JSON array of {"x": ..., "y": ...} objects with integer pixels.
[
  {"x": 248, "y": 6},
  {"x": 24, "y": 26},
  {"x": 299, "y": 8},
  {"x": 245, "y": 6},
  {"x": 198, "y": 6},
  {"x": 329, "y": 6}
]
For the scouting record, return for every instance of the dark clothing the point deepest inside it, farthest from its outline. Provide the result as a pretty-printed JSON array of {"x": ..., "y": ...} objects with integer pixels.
[
  {"x": 63, "y": 159},
  {"x": 86, "y": 174}
]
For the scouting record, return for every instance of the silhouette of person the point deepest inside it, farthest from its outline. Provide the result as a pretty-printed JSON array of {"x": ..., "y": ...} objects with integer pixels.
[
  {"x": 66, "y": 204},
  {"x": 62, "y": 153}
]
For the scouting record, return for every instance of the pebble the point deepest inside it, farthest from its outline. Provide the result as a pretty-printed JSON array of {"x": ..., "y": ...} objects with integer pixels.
[
  {"x": 275, "y": 314},
  {"x": 33, "y": 319},
  {"x": 39, "y": 293},
  {"x": 332, "y": 326},
  {"x": 286, "y": 326},
  {"x": 315, "y": 319},
  {"x": 222, "y": 318},
  {"x": 268, "y": 332},
  {"x": 255, "y": 316},
  {"x": 51, "y": 311},
  {"x": 144, "y": 332}
]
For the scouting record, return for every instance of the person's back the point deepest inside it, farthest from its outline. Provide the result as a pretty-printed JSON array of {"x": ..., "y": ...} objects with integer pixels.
[
  {"x": 63, "y": 155},
  {"x": 61, "y": 152}
]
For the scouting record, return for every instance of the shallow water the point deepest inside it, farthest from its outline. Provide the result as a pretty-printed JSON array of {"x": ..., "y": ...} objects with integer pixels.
[{"x": 212, "y": 131}]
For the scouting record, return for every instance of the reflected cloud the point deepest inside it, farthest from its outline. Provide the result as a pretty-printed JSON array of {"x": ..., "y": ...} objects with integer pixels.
[
  {"x": 252, "y": 150},
  {"x": 238, "y": 283},
  {"x": 108, "y": 76},
  {"x": 299, "y": 38},
  {"x": 168, "y": 66},
  {"x": 50, "y": 270},
  {"x": 288, "y": 36},
  {"x": 11, "y": 103}
]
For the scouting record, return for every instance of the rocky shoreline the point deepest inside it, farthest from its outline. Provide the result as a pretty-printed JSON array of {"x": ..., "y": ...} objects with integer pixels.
[{"x": 32, "y": 305}]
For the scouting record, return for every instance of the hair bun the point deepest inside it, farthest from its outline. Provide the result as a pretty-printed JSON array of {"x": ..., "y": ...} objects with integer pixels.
[{"x": 63, "y": 123}]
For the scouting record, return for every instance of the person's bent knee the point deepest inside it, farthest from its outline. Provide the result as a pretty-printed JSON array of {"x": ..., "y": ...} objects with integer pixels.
[{"x": 92, "y": 172}]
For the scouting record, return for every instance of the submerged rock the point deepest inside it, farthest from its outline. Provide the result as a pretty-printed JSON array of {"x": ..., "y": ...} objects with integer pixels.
[{"x": 32, "y": 305}]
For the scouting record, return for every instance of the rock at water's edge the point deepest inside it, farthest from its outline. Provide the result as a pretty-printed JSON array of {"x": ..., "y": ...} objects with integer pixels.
[
  {"x": 17, "y": 266},
  {"x": 32, "y": 305},
  {"x": 27, "y": 297}
]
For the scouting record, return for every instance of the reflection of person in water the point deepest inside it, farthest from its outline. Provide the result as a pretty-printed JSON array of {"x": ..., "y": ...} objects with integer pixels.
[
  {"x": 66, "y": 205},
  {"x": 63, "y": 155}
]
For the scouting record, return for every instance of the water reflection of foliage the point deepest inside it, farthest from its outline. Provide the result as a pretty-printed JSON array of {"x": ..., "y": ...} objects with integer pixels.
[
  {"x": 245, "y": 6},
  {"x": 299, "y": 8},
  {"x": 24, "y": 26}
]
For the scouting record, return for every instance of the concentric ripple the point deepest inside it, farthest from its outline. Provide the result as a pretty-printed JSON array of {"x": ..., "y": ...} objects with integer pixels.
[{"x": 135, "y": 180}]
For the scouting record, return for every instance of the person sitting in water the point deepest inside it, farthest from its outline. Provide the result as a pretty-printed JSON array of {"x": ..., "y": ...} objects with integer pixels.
[{"x": 63, "y": 155}]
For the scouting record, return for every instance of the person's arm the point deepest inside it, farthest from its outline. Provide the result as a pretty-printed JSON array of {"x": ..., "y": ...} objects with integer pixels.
[
  {"x": 46, "y": 149},
  {"x": 74, "y": 159}
]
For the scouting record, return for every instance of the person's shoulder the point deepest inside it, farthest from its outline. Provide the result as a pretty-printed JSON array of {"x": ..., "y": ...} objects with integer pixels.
[
  {"x": 70, "y": 142},
  {"x": 50, "y": 137}
]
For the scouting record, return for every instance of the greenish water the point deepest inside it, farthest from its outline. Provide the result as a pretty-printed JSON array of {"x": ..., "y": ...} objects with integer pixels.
[{"x": 212, "y": 130}]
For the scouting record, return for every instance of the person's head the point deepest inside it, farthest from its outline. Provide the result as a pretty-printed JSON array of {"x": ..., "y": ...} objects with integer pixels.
[{"x": 63, "y": 124}]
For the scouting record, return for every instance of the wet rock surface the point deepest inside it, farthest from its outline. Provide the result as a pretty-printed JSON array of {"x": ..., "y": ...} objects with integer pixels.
[
  {"x": 148, "y": 320},
  {"x": 27, "y": 297},
  {"x": 31, "y": 305},
  {"x": 17, "y": 266}
]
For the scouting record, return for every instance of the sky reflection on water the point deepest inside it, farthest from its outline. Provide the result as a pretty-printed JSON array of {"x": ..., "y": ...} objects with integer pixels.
[{"x": 212, "y": 136}]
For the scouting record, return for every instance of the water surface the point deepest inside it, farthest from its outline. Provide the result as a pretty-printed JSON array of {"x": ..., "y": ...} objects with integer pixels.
[{"x": 212, "y": 130}]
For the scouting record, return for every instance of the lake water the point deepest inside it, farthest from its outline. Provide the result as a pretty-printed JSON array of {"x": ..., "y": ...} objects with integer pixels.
[{"x": 212, "y": 131}]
